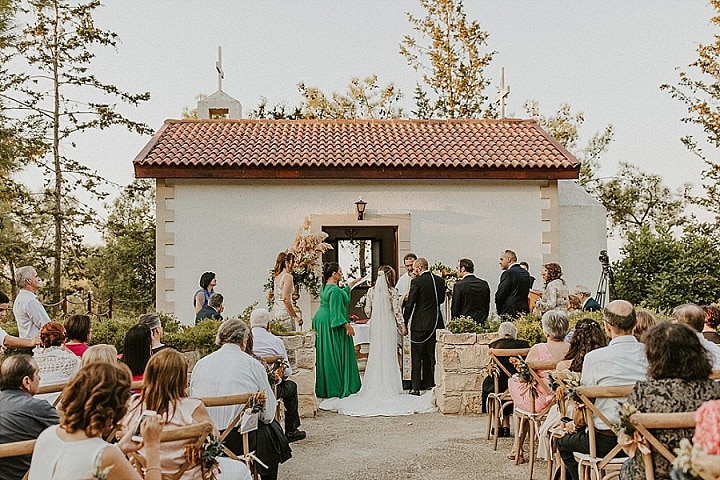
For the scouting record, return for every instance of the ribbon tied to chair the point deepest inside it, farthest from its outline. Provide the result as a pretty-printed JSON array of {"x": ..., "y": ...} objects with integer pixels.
[{"x": 632, "y": 443}]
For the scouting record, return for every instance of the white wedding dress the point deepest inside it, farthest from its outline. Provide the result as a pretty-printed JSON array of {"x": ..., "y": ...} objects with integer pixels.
[{"x": 381, "y": 393}]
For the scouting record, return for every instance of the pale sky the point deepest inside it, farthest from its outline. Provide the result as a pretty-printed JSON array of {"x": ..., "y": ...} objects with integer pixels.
[{"x": 606, "y": 59}]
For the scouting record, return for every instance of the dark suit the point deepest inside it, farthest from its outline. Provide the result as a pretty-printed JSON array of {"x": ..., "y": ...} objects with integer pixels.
[
  {"x": 427, "y": 293},
  {"x": 22, "y": 417},
  {"x": 591, "y": 305},
  {"x": 471, "y": 298},
  {"x": 207, "y": 312},
  {"x": 511, "y": 297}
]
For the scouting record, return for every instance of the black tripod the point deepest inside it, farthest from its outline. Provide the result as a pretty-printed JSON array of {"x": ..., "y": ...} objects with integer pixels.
[{"x": 606, "y": 285}]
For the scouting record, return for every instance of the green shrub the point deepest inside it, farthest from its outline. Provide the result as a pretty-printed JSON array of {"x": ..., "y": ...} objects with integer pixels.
[
  {"x": 200, "y": 337},
  {"x": 463, "y": 325}
]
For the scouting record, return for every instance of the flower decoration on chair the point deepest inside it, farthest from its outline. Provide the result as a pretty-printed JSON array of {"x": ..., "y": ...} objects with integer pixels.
[
  {"x": 448, "y": 274},
  {"x": 682, "y": 468},
  {"x": 524, "y": 375},
  {"x": 256, "y": 403},
  {"x": 565, "y": 388},
  {"x": 205, "y": 456}
]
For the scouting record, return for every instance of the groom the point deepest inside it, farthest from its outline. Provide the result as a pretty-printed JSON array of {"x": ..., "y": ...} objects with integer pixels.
[{"x": 427, "y": 293}]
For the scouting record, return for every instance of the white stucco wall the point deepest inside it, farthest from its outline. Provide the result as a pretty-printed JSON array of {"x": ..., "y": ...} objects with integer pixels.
[
  {"x": 582, "y": 235},
  {"x": 236, "y": 228}
]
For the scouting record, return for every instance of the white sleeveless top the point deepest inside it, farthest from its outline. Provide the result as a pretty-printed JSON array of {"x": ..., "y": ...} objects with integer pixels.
[{"x": 56, "y": 459}]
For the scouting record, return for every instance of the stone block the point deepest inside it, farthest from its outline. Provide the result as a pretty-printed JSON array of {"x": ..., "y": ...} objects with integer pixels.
[
  {"x": 309, "y": 340},
  {"x": 293, "y": 342},
  {"x": 472, "y": 356},
  {"x": 463, "y": 382},
  {"x": 307, "y": 406},
  {"x": 449, "y": 359},
  {"x": 305, "y": 380},
  {"x": 486, "y": 338},
  {"x": 444, "y": 336},
  {"x": 305, "y": 358},
  {"x": 448, "y": 404},
  {"x": 473, "y": 403}
]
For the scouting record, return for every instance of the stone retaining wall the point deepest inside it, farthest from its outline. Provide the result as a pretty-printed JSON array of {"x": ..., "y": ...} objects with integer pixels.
[
  {"x": 460, "y": 370},
  {"x": 301, "y": 354}
]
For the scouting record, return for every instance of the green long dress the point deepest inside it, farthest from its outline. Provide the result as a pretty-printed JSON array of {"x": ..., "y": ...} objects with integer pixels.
[{"x": 336, "y": 368}]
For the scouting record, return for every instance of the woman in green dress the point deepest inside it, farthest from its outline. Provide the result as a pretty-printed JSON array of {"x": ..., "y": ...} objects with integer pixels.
[{"x": 336, "y": 368}]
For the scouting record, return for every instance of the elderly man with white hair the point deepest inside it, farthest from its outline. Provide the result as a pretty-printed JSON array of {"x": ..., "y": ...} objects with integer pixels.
[
  {"x": 231, "y": 371},
  {"x": 694, "y": 317},
  {"x": 266, "y": 345},
  {"x": 29, "y": 313},
  {"x": 589, "y": 304}
]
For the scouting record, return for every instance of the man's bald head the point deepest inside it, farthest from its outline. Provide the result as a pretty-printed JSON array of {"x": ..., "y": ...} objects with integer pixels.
[
  {"x": 691, "y": 315},
  {"x": 620, "y": 314}
]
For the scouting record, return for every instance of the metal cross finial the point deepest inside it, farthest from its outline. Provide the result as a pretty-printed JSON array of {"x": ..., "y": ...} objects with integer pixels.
[
  {"x": 503, "y": 93},
  {"x": 218, "y": 67}
]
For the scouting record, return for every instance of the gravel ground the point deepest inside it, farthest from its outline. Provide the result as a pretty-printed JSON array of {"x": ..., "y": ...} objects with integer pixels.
[{"x": 421, "y": 446}]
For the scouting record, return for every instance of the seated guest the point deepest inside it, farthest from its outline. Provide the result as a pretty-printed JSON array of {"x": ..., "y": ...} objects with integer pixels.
[
  {"x": 211, "y": 377},
  {"x": 265, "y": 344},
  {"x": 57, "y": 364},
  {"x": 213, "y": 309},
  {"x": 712, "y": 320},
  {"x": 152, "y": 321},
  {"x": 136, "y": 351},
  {"x": 92, "y": 404},
  {"x": 586, "y": 337},
  {"x": 678, "y": 370},
  {"x": 11, "y": 341},
  {"x": 507, "y": 338},
  {"x": 100, "y": 353},
  {"x": 78, "y": 334},
  {"x": 622, "y": 362},
  {"x": 644, "y": 322},
  {"x": 22, "y": 417},
  {"x": 164, "y": 387},
  {"x": 694, "y": 317},
  {"x": 555, "y": 324},
  {"x": 588, "y": 303},
  {"x": 574, "y": 303}
]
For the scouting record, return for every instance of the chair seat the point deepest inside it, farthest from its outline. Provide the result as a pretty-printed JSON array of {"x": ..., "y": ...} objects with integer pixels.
[{"x": 587, "y": 458}]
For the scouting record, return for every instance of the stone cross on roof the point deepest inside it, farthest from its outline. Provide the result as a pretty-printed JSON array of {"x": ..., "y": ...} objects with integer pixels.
[
  {"x": 503, "y": 93},
  {"x": 218, "y": 67}
]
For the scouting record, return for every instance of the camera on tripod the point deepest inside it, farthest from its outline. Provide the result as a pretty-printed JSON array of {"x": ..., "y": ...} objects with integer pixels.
[
  {"x": 606, "y": 285},
  {"x": 604, "y": 259}
]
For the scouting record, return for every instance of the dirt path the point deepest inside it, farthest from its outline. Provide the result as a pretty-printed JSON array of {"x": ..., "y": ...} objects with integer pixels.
[{"x": 422, "y": 446}]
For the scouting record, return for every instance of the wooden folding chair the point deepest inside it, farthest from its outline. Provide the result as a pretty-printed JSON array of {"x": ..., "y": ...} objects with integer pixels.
[
  {"x": 644, "y": 422},
  {"x": 529, "y": 421},
  {"x": 55, "y": 388},
  {"x": 16, "y": 449},
  {"x": 195, "y": 433},
  {"x": 589, "y": 464},
  {"x": 555, "y": 433},
  {"x": 241, "y": 401},
  {"x": 498, "y": 400}
]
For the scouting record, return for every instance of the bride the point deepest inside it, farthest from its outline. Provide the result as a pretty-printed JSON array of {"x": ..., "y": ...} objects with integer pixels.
[{"x": 381, "y": 392}]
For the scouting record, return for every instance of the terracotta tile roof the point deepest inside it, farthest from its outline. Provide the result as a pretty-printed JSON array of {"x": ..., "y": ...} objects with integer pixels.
[{"x": 508, "y": 148}]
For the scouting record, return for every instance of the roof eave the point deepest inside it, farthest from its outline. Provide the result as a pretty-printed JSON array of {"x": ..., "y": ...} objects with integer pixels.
[{"x": 308, "y": 173}]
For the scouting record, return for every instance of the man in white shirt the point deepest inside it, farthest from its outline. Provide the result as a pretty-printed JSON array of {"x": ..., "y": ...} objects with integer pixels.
[
  {"x": 403, "y": 284},
  {"x": 231, "y": 371},
  {"x": 694, "y": 317},
  {"x": 29, "y": 313},
  {"x": 6, "y": 340},
  {"x": 622, "y": 362},
  {"x": 265, "y": 345}
]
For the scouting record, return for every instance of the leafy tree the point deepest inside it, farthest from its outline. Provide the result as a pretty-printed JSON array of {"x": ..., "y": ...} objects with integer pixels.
[
  {"x": 364, "y": 99},
  {"x": 125, "y": 266},
  {"x": 451, "y": 58},
  {"x": 661, "y": 272},
  {"x": 64, "y": 98},
  {"x": 700, "y": 92},
  {"x": 564, "y": 126}
]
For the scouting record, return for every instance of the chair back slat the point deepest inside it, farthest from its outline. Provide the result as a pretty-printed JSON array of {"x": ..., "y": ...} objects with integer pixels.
[
  {"x": 15, "y": 449},
  {"x": 496, "y": 353},
  {"x": 715, "y": 375},
  {"x": 643, "y": 422}
]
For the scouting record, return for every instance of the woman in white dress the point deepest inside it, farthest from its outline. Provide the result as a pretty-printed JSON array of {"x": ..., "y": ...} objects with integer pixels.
[
  {"x": 282, "y": 309},
  {"x": 381, "y": 393}
]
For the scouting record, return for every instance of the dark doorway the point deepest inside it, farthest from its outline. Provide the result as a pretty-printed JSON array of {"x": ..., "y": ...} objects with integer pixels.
[{"x": 360, "y": 251}]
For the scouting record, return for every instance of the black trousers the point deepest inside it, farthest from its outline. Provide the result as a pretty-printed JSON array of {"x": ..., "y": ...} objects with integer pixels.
[
  {"x": 287, "y": 390},
  {"x": 580, "y": 442},
  {"x": 423, "y": 359},
  {"x": 269, "y": 444}
]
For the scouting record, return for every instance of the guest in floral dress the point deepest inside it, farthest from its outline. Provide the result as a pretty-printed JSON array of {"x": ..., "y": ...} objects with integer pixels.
[
  {"x": 556, "y": 294},
  {"x": 678, "y": 371}
]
